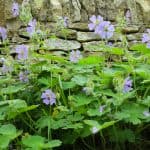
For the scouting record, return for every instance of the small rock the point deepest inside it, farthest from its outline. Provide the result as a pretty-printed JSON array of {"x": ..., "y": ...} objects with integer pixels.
[
  {"x": 87, "y": 36},
  {"x": 59, "y": 44},
  {"x": 92, "y": 46},
  {"x": 79, "y": 26},
  {"x": 130, "y": 29},
  {"x": 67, "y": 34},
  {"x": 134, "y": 37}
]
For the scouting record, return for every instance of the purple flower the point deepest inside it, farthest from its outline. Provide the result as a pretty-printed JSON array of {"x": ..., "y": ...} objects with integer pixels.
[
  {"x": 66, "y": 21},
  {"x": 94, "y": 130},
  {"x": 105, "y": 30},
  {"x": 3, "y": 33},
  {"x": 87, "y": 90},
  {"x": 23, "y": 76},
  {"x": 146, "y": 113},
  {"x": 95, "y": 21},
  {"x": 128, "y": 15},
  {"x": 6, "y": 68},
  {"x": 110, "y": 44},
  {"x": 146, "y": 38},
  {"x": 31, "y": 27},
  {"x": 101, "y": 108},
  {"x": 75, "y": 56},
  {"x": 48, "y": 97},
  {"x": 127, "y": 85},
  {"x": 15, "y": 9},
  {"x": 22, "y": 51}
]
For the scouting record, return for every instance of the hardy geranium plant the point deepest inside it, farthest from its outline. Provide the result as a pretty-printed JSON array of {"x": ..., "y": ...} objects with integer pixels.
[{"x": 48, "y": 100}]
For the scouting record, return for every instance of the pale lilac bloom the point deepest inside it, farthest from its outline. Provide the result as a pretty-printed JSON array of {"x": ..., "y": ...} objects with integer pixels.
[
  {"x": 94, "y": 130},
  {"x": 6, "y": 68},
  {"x": 87, "y": 90},
  {"x": 2, "y": 60},
  {"x": 101, "y": 108},
  {"x": 75, "y": 56},
  {"x": 3, "y": 33},
  {"x": 48, "y": 97},
  {"x": 66, "y": 21},
  {"x": 95, "y": 21},
  {"x": 146, "y": 38},
  {"x": 146, "y": 113},
  {"x": 127, "y": 87},
  {"x": 23, "y": 76},
  {"x": 22, "y": 51},
  {"x": 110, "y": 44},
  {"x": 15, "y": 9},
  {"x": 105, "y": 30},
  {"x": 148, "y": 45},
  {"x": 128, "y": 15},
  {"x": 31, "y": 27}
]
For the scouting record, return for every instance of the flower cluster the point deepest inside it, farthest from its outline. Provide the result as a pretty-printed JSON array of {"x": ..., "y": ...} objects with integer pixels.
[
  {"x": 146, "y": 38},
  {"x": 3, "y": 33},
  {"x": 22, "y": 51},
  {"x": 146, "y": 113},
  {"x": 103, "y": 28},
  {"x": 94, "y": 130},
  {"x": 48, "y": 97},
  {"x": 15, "y": 9},
  {"x": 31, "y": 27},
  {"x": 75, "y": 56},
  {"x": 128, "y": 16},
  {"x": 101, "y": 108},
  {"x": 127, "y": 85},
  {"x": 6, "y": 68},
  {"x": 23, "y": 76}
]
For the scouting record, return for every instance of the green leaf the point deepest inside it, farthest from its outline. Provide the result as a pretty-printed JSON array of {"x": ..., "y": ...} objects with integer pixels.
[
  {"x": 79, "y": 80},
  {"x": 122, "y": 136},
  {"x": 12, "y": 108},
  {"x": 90, "y": 60},
  {"x": 51, "y": 58},
  {"x": 52, "y": 144},
  {"x": 107, "y": 124},
  {"x": 114, "y": 50},
  {"x": 99, "y": 126},
  {"x": 68, "y": 85},
  {"x": 74, "y": 126},
  {"x": 4, "y": 141},
  {"x": 12, "y": 89},
  {"x": 146, "y": 101},
  {"x": 44, "y": 81},
  {"x": 38, "y": 142},
  {"x": 141, "y": 48},
  {"x": 8, "y": 129},
  {"x": 92, "y": 123},
  {"x": 5, "y": 80},
  {"x": 45, "y": 121},
  {"x": 33, "y": 141},
  {"x": 8, "y": 132},
  {"x": 94, "y": 112},
  {"x": 131, "y": 112},
  {"x": 80, "y": 100},
  {"x": 143, "y": 71}
]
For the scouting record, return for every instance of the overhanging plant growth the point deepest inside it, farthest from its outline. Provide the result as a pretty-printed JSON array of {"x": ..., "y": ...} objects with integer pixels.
[{"x": 86, "y": 101}]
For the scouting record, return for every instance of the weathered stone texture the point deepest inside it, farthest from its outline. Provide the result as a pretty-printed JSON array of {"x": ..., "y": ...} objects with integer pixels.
[
  {"x": 78, "y": 12},
  {"x": 2, "y": 12}
]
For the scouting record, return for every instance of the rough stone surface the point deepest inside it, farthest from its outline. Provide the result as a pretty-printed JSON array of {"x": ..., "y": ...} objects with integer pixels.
[
  {"x": 87, "y": 36},
  {"x": 92, "y": 46},
  {"x": 59, "y": 44},
  {"x": 2, "y": 12},
  {"x": 78, "y": 12},
  {"x": 134, "y": 37}
]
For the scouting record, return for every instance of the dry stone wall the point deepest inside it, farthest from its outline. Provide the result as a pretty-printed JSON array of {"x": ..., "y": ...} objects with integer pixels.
[{"x": 78, "y": 12}]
